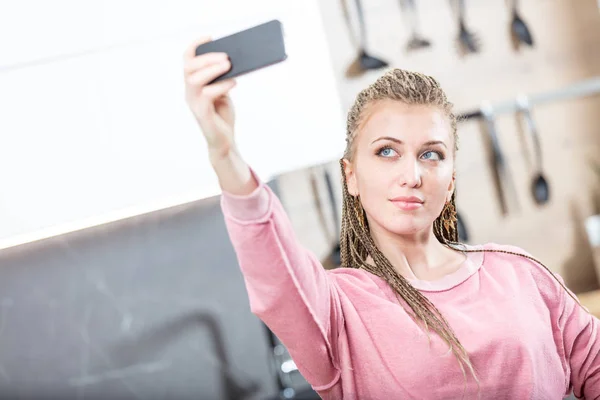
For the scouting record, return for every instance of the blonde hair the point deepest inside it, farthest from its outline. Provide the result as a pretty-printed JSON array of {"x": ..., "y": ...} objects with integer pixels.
[{"x": 411, "y": 88}]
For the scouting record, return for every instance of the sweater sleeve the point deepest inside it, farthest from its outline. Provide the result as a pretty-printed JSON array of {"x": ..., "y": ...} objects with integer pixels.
[
  {"x": 288, "y": 288},
  {"x": 581, "y": 345}
]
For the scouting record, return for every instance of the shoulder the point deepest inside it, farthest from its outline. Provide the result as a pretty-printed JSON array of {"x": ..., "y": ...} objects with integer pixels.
[
  {"x": 512, "y": 255},
  {"x": 356, "y": 279},
  {"x": 514, "y": 260},
  {"x": 355, "y": 276}
]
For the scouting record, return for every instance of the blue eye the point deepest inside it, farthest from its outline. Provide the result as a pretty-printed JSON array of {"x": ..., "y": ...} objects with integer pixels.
[
  {"x": 386, "y": 152},
  {"x": 432, "y": 153}
]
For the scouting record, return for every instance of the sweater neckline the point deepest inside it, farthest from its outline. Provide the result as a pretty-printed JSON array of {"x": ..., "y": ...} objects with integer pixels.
[{"x": 472, "y": 263}]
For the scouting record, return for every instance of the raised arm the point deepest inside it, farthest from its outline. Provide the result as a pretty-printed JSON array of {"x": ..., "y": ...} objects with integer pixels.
[{"x": 287, "y": 286}]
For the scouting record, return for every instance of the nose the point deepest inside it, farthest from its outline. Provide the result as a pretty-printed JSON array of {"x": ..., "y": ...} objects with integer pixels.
[{"x": 410, "y": 173}]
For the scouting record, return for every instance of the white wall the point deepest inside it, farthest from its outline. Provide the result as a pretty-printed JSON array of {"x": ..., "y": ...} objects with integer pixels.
[{"x": 94, "y": 126}]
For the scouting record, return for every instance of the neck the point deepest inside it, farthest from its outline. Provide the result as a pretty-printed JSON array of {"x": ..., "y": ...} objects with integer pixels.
[{"x": 417, "y": 256}]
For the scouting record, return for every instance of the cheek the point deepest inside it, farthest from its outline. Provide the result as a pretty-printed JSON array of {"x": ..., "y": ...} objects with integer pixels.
[
  {"x": 441, "y": 179},
  {"x": 435, "y": 188},
  {"x": 373, "y": 182},
  {"x": 375, "y": 187}
]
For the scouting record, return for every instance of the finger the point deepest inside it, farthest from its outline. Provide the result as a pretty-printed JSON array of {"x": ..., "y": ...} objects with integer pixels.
[
  {"x": 206, "y": 75},
  {"x": 218, "y": 89},
  {"x": 194, "y": 64},
  {"x": 190, "y": 51}
]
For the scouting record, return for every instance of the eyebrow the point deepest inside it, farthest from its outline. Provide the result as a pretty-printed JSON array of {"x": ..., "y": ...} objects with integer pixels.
[{"x": 429, "y": 143}]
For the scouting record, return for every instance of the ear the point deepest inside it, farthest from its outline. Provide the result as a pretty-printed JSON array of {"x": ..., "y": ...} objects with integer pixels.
[
  {"x": 350, "y": 178},
  {"x": 451, "y": 187}
]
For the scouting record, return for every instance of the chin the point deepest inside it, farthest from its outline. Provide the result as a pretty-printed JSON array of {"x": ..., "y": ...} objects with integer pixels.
[{"x": 405, "y": 224}]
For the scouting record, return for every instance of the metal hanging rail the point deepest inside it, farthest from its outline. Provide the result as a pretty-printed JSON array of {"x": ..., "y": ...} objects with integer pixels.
[{"x": 580, "y": 89}]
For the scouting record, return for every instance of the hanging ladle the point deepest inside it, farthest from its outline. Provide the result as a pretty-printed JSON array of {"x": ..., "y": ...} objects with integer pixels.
[
  {"x": 416, "y": 41},
  {"x": 519, "y": 29},
  {"x": 540, "y": 188},
  {"x": 366, "y": 60},
  {"x": 468, "y": 41}
]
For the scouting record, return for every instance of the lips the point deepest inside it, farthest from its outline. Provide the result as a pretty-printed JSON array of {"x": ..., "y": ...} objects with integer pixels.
[
  {"x": 407, "y": 203},
  {"x": 408, "y": 199}
]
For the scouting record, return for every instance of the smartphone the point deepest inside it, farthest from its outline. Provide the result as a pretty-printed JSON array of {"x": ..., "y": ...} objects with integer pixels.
[{"x": 250, "y": 49}]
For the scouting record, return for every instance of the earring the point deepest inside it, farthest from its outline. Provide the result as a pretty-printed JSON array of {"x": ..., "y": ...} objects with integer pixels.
[{"x": 449, "y": 217}]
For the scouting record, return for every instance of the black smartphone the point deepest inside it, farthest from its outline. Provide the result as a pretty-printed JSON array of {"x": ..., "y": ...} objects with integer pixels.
[{"x": 250, "y": 49}]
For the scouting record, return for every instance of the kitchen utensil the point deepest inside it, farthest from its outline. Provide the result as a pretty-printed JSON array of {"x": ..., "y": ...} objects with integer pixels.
[
  {"x": 333, "y": 259},
  {"x": 539, "y": 187},
  {"x": 519, "y": 28},
  {"x": 316, "y": 193},
  {"x": 336, "y": 255},
  {"x": 416, "y": 40},
  {"x": 501, "y": 173},
  {"x": 366, "y": 60},
  {"x": 463, "y": 233},
  {"x": 468, "y": 41}
]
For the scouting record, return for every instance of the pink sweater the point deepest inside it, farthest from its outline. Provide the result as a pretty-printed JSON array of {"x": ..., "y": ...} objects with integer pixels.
[{"x": 351, "y": 339}]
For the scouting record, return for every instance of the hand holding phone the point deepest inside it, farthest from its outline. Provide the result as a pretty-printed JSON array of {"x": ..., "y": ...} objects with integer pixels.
[
  {"x": 210, "y": 104},
  {"x": 248, "y": 50},
  {"x": 209, "y": 67}
]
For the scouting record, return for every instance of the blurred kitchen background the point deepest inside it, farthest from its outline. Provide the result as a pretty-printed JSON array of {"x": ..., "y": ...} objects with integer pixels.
[{"x": 117, "y": 278}]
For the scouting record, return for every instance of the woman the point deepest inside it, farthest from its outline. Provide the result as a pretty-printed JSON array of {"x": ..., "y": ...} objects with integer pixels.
[{"x": 411, "y": 313}]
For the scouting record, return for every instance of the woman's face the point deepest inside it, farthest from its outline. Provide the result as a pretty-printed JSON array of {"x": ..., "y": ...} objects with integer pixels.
[{"x": 402, "y": 166}]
